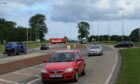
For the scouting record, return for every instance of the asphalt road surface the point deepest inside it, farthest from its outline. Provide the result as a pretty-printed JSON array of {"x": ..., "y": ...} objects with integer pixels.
[{"x": 98, "y": 68}]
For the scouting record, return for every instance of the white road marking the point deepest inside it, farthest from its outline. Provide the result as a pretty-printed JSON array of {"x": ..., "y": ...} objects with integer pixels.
[
  {"x": 22, "y": 73},
  {"x": 113, "y": 69},
  {"x": 7, "y": 81},
  {"x": 34, "y": 81}
]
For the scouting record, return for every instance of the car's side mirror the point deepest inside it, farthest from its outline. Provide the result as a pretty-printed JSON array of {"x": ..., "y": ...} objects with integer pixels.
[{"x": 80, "y": 59}]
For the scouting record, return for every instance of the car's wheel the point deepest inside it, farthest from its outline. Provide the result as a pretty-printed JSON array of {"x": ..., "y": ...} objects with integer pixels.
[
  {"x": 25, "y": 52},
  {"x": 76, "y": 76},
  {"x": 44, "y": 82},
  {"x": 16, "y": 52},
  {"x": 101, "y": 54},
  {"x": 9, "y": 54},
  {"x": 83, "y": 72}
]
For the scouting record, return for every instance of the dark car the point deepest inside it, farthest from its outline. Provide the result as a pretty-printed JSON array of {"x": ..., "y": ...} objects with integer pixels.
[
  {"x": 124, "y": 44},
  {"x": 44, "y": 47}
]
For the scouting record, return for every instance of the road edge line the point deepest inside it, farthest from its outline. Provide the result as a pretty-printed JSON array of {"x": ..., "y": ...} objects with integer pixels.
[{"x": 113, "y": 69}]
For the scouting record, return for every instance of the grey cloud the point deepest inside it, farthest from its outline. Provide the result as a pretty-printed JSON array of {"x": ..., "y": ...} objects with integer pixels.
[
  {"x": 75, "y": 10},
  {"x": 26, "y": 2}
]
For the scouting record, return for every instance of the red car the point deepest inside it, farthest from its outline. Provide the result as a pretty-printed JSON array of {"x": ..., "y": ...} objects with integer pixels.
[{"x": 62, "y": 66}]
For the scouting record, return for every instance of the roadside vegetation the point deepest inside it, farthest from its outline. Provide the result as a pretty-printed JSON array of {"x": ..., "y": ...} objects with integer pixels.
[
  {"x": 130, "y": 70},
  {"x": 1, "y": 48}
]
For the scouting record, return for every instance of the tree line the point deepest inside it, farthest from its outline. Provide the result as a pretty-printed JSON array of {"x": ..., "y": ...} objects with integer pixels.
[
  {"x": 84, "y": 28},
  {"x": 9, "y": 31}
]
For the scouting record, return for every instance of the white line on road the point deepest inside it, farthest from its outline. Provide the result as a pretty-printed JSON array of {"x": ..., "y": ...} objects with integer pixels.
[
  {"x": 7, "y": 81},
  {"x": 22, "y": 73},
  {"x": 113, "y": 69},
  {"x": 31, "y": 82}
]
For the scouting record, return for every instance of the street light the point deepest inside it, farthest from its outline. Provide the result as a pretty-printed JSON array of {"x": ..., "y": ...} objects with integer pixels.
[
  {"x": 3, "y": 3},
  {"x": 27, "y": 37},
  {"x": 108, "y": 31},
  {"x": 92, "y": 32},
  {"x": 122, "y": 24},
  {"x": 98, "y": 31}
]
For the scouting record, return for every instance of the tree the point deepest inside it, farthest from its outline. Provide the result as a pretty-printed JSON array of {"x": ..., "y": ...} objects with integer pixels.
[
  {"x": 134, "y": 36},
  {"x": 83, "y": 31},
  {"x": 38, "y": 25}
]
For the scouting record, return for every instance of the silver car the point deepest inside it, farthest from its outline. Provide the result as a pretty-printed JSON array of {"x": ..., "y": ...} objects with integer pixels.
[{"x": 95, "y": 50}]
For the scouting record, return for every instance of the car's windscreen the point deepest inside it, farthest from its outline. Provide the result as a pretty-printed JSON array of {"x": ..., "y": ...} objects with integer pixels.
[
  {"x": 11, "y": 44},
  {"x": 95, "y": 47},
  {"x": 62, "y": 57}
]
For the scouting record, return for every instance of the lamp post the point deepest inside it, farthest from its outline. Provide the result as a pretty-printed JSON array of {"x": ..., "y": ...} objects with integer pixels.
[
  {"x": 92, "y": 32},
  {"x": 122, "y": 23},
  {"x": 27, "y": 37},
  {"x": 4, "y": 41},
  {"x": 108, "y": 31},
  {"x": 98, "y": 31}
]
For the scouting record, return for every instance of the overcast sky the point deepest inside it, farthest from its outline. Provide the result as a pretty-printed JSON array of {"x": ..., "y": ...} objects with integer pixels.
[{"x": 64, "y": 15}]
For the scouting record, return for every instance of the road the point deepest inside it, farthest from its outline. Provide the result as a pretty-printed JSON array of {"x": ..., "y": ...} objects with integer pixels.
[{"x": 98, "y": 68}]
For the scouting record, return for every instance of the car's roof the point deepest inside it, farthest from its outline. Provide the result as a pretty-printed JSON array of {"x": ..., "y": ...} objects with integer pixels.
[{"x": 67, "y": 51}]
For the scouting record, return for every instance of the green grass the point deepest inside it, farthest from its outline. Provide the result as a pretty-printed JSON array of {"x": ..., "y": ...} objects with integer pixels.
[
  {"x": 34, "y": 45},
  {"x": 1, "y": 48},
  {"x": 130, "y": 70}
]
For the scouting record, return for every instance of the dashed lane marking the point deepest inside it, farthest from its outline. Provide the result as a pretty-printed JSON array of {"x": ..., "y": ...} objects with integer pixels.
[
  {"x": 22, "y": 73},
  {"x": 7, "y": 81}
]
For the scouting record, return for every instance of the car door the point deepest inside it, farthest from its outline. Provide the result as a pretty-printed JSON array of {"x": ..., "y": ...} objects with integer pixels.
[{"x": 80, "y": 64}]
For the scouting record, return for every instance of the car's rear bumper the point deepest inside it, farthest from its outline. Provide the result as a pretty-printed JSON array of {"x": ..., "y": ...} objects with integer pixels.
[{"x": 98, "y": 53}]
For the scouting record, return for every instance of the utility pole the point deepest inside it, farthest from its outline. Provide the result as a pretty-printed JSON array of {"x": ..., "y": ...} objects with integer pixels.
[
  {"x": 108, "y": 31},
  {"x": 98, "y": 32},
  {"x": 122, "y": 23},
  {"x": 27, "y": 38},
  {"x": 92, "y": 32},
  {"x": 4, "y": 40}
]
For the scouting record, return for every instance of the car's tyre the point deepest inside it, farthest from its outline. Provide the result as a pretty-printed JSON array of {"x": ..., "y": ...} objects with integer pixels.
[
  {"x": 16, "y": 52},
  {"x": 101, "y": 54},
  {"x": 76, "y": 76},
  {"x": 9, "y": 54},
  {"x": 83, "y": 72},
  {"x": 44, "y": 82},
  {"x": 25, "y": 52}
]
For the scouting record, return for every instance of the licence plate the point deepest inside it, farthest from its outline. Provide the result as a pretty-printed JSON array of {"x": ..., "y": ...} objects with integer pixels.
[{"x": 56, "y": 76}]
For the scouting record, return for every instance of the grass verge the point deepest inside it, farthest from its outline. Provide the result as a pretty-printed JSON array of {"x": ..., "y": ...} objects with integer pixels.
[
  {"x": 130, "y": 70},
  {"x": 1, "y": 48}
]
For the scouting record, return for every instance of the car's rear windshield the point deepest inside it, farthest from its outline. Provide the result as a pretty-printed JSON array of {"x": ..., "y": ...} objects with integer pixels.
[
  {"x": 94, "y": 47},
  {"x": 62, "y": 57}
]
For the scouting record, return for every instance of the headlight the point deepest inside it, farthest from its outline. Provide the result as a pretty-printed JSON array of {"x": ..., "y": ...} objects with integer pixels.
[
  {"x": 68, "y": 70},
  {"x": 44, "y": 71}
]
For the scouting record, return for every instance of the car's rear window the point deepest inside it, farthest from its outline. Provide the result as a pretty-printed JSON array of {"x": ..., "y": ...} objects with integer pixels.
[
  {"x": 62, "y": 57},
  {"x": 94, "y": 47}
]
